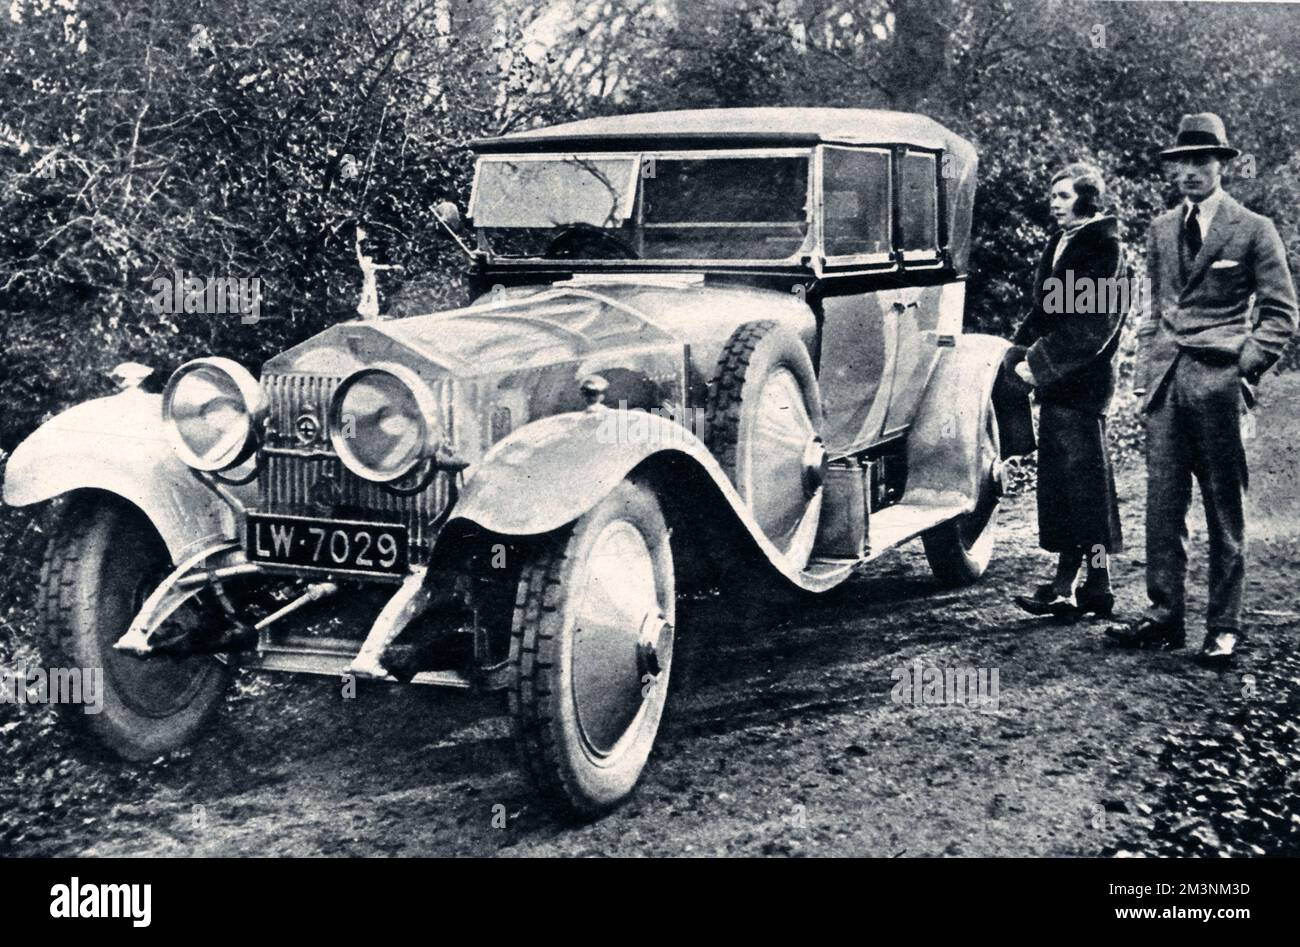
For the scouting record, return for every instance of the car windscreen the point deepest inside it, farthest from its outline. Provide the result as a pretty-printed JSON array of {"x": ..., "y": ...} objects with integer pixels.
[
  {"x": 643, "y": 207},
  {"x": 546, "y": 193}
]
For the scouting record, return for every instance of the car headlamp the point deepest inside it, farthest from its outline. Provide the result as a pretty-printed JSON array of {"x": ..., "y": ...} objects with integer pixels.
[
  {"x": 381, "y": 422},
  {"x": 212, "y": 412}
]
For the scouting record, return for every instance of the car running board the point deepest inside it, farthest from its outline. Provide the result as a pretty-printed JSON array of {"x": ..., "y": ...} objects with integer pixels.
[{"x": 903, "y": 521}]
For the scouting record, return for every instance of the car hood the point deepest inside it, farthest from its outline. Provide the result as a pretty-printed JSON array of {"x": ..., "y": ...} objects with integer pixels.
[
  {"x": 580, "y": 320},
  {"x": 519, "y": 354}
]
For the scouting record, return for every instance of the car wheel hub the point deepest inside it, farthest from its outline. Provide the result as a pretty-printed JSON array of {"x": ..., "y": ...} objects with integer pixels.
[
  {"x": 784, "y": 458},
  {"x": 161, "y": 685},
  {"x": 814, "y": 466},
  {"x": 622, "y": 640}
]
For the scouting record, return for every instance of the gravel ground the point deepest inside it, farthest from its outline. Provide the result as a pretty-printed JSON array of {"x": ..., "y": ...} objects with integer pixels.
[{"x": 783, "y": 740}]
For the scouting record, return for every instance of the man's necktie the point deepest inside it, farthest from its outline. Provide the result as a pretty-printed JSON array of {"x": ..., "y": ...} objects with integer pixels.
[{"x": 1192, "y": 232}]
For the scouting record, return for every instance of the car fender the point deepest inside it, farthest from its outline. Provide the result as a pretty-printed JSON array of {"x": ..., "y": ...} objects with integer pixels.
[
  {"x": 547, "y": 474},
  {"x": 943, "y": 457},
  {"x": 117, "y": 444}
]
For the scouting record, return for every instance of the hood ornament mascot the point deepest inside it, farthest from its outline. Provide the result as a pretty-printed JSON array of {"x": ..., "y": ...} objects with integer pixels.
[{"x": 368, "y": 306}]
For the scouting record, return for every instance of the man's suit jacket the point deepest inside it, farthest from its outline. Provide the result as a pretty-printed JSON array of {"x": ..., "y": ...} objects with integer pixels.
[{"x": 1211, "y": 313}]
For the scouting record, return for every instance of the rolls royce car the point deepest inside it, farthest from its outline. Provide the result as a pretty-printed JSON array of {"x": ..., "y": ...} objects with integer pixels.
[{"x": 716, "y": 349}]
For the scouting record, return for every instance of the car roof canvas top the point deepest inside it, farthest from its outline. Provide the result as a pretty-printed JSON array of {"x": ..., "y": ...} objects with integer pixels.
[{"x": 777, "y": 125}]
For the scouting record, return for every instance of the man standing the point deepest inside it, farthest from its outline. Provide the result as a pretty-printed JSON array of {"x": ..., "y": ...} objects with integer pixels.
[{"x": 1200, "y": 354}]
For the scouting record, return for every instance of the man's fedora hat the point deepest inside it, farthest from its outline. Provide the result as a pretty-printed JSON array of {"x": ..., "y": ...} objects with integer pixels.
[{"x": 1200, "y": 134}]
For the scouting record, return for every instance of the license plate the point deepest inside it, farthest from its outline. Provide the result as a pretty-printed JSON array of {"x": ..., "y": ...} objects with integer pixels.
[{"x": 333, "y": 545}]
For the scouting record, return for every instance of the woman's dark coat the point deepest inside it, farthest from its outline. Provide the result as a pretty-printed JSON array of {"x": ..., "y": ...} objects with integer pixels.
[{"x": 1071, "y": 354}]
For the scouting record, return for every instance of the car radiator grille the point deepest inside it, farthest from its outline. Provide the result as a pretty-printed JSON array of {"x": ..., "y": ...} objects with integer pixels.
[{"x": 301, "y": 476}]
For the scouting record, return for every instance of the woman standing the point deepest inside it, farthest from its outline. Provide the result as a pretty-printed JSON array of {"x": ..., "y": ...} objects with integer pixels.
[{"x": 1065, "y": 349}]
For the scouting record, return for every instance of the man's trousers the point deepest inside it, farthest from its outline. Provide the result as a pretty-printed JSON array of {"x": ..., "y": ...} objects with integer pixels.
[{"x": 1193, "y": 429}]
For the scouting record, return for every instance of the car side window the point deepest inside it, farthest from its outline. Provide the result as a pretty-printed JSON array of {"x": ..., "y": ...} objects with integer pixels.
[
  {"x": 856, "y": 202},
  {"x": 918, "y": 202}
]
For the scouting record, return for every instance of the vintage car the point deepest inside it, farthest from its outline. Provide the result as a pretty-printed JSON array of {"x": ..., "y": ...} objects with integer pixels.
[{"x": 706, "y": 349}]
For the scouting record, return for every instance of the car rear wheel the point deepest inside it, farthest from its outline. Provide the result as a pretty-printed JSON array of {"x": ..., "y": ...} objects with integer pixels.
[
  {"x": 591, "y": 651},
  {"x": 764, "y": 417},
  {"x": 959, "y": 551},
  {"x": 104, "y": 560}
]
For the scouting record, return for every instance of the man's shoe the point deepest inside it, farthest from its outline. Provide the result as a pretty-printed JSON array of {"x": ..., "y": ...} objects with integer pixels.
[
  {"x": 1047, "y": 601},
  {"x": 1220, "y": 647},
  {"x": 1147, "y": 633},
  {"x": 1101, "y": 604}
]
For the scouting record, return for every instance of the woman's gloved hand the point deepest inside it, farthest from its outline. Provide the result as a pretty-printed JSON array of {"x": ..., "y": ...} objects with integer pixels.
[{"x": 1015, "y": 369}]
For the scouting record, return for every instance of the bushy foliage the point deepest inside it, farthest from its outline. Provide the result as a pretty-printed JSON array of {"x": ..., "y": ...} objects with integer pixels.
[{"x": 244, "y": 139}]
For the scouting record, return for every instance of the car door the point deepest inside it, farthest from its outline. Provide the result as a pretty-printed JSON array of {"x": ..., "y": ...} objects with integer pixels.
[
  {"x": 857, "y": 340},
  {"x": 927, "y": 315}
]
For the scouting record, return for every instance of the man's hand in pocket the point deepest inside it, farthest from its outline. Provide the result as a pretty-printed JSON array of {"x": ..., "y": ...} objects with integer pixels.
[{"x": 1253, "y": 362}]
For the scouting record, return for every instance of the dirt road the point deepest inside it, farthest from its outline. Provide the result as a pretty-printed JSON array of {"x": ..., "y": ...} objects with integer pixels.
[{"x": 784, "y": 739}]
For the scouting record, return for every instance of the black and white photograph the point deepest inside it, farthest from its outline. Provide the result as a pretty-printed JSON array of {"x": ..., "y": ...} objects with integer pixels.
[{"x": 620, "y": 428}]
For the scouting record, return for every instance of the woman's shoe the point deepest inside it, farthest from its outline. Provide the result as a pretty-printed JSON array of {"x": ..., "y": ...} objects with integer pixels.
[
  {"x": 1101, "y": 604},
  {"x": 1047, "y": 601}
]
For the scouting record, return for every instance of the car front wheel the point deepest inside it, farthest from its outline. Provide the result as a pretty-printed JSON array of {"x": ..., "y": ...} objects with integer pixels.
[
  {"x": 104, "y": 560},
  {"x": 591, "y": 650}
]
